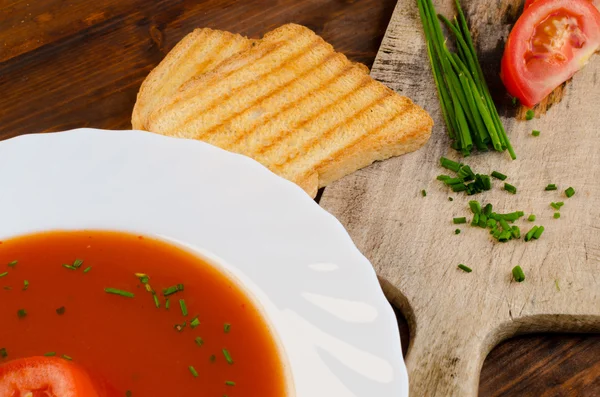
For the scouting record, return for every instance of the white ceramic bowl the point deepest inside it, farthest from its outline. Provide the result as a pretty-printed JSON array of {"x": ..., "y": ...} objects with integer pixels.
[{"x": 320, "y": 294}]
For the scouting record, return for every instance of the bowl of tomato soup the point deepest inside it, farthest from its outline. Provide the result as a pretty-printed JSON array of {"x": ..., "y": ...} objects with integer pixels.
[{"x": 106, "y": 313}]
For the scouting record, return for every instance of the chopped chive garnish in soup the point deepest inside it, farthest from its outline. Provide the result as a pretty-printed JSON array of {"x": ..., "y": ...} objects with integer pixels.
[{"x": 114, "y": 336}]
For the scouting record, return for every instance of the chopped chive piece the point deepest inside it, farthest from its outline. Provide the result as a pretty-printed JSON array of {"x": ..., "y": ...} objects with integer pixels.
[
  {"x": 227, "y": 356},
  {"x": 3, "y": 352},
  {"x": 195, "y": 322},
  {"x": 226, "y": 328},
  {"x": 499, "y": 175},
  {"x": 21, "y": 313},
  {"x": 167, "y": 304},
  {"x": 229, "y": 383},
  {"x": 504, "y": 224},
  {"x": 453, "y": 181},
  {"x": 156, "y": 301},
  {"x": 483, "y": 220},
  {"x": 144, "y": 279},
  {"x": 557, "y": 206},
  {"x": 119, "y": 292},
  {"x": 25, "y": 285},
  {"x": 556, "y": 284},
  {"x": 535, "y": 133},
  {"x": 475, "y": 206},
  {"x": 457, "y": 231},
  {"x": 424, "y": 193},
  {"x": 77, "y": 263},
  {"x": 551, "y": 186},
  {"x": 13, "y": 263},
  {"x": 491, "y": 223},
  {"x": 450, "y": 165},
  {"x": 3, "y": 274},
  {"x": 450, "y": 199},
  {"x": 570, "y": 192},
  {"x": 212, "y": 358},
  {"x": 180, "y": 327},
  {"x": 487, "y": 210},
  {"x": 529, "y": 115},
  {"x": 458, "y": 221},
  {"x": 556, "y": 215},
  {"x": 443, "y": 177},
  {"x": 172, "y": 290},
  {"x": 475, "y": 220},
  {"x": 87, "y": 269},
  {"x": 505, "y": 236},
  {"x": 459, "y": 187},
  {"x": 183, "y": 307},
  {"x": 516, "y": 232},
  {"x": 530, "y": 233},
  {"x": 149, "y": 288},
  {"x": 518, "y": 274},
  {"x": 465, "y": 268},
  {"x": 531, "y": 218},
  {"x": 510, "y": 188},
  {"x": 199, "y": 341},
  {"x": 69, "y": 267},
  {"x": 50, "y": 354},
  {"x": 514, "y": 101},
  {"x": 485, "y": 181},
  {"x": 193, "y": 371},
  {"x": 69, "y": 358},
  {"x": 538, "y": 232},
  {"x": 60, "y": 311},
  {"x": 466, "y": 173},
  {"x": 7, "y": 288}
]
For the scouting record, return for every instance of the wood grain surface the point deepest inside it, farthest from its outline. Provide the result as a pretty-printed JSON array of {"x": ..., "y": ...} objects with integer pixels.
[
  {"x": 79, "y": 63},
  {"x": 456, "y": 318}
]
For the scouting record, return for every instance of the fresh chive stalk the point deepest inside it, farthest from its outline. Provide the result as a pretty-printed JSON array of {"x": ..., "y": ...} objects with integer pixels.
[
  {"x": 467, "y": 107},
  {"x": 459, "y": 221}
]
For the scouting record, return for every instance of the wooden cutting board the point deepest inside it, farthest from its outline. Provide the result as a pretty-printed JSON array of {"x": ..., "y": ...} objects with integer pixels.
[{"x": 456, "y": 318}]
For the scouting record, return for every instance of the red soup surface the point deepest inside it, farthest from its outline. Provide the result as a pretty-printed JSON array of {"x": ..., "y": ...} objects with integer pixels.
[{"x": 76, "y": 296}]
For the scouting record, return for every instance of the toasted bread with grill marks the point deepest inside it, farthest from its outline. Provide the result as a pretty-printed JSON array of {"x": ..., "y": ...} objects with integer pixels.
[
  {"x": 197, "y": 53},
  {"x": 298, "y": 107}
]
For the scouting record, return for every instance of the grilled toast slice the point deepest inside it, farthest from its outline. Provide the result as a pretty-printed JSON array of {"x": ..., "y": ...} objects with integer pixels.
[
  {"x": 298, "y": 107},
  {"x": 198, "y": 52}
]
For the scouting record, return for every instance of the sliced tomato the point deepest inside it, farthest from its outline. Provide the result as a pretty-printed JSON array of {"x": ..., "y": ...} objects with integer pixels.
[
  {"x": 45, "y": 377},
  {"x": 550, "y": 42},
  {"x": 594, "y": 2}
]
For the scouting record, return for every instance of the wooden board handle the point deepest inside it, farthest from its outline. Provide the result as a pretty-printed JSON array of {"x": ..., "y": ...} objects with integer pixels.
[{"x": 440, "y": 364}]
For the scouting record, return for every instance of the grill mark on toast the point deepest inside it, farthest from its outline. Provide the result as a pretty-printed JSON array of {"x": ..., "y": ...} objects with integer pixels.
[
  {"x": 255, "y": 81},
  {"x": 185, "y": 93},
  {"x": 328, "y": 134},
  {"x": 357, "y": 141},
  {"x": 293, "y": 104},
  {"x": 363, "y": 82},
  {"x": 271, "y": 94},
  {"x": 219, "y": 43}
]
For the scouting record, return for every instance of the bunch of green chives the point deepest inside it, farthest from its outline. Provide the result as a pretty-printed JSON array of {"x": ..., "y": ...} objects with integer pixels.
[{"x": 467, "y": 106}]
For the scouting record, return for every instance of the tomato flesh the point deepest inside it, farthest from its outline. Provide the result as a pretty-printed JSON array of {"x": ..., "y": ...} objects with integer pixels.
[
  {"x": 47, "y": 377},
  {"x": 550, "y": 42}
]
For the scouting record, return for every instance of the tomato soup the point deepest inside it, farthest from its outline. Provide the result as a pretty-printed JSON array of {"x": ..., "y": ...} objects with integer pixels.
[{"x": 147, "y": 317}]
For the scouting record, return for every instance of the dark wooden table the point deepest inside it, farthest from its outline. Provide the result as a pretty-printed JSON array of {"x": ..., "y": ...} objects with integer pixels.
[{"x": 79, "y": 63}]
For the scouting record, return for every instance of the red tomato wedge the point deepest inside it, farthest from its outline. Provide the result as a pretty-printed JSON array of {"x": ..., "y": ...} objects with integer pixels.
[
  {"x": 594, "y": 2},
  {"x": 45, "y": 377},
  {"x": 550, "y": 42}
]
